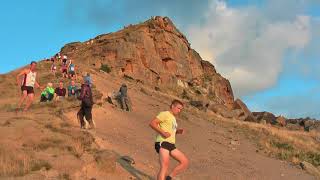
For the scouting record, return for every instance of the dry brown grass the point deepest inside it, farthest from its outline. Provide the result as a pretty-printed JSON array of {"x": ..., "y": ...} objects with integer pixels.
[
  {"x": 293, "y": 146},
  {"x": 19, "y": 163}
]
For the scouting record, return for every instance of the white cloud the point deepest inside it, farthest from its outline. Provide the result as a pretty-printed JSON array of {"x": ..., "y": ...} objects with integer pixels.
[{"x": 247, "y": 45}]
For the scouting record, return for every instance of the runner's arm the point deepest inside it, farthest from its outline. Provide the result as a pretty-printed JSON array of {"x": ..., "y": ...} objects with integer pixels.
[
  {"x": 37, "y": 82},
  {"x": 19, "y": 75},
  {"x": 154, "y": 124},
  {"x": 180, "y": 131}
]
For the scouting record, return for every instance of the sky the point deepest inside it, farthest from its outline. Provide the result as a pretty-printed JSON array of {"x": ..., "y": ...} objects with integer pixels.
[{"x": 268, "y": 49}]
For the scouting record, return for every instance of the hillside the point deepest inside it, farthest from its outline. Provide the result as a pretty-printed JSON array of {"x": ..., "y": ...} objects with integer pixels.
[{"x": 47, "y": 143}]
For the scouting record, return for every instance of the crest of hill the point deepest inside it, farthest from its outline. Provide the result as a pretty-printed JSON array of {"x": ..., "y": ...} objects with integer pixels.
[{"x": 154, "y": 52}]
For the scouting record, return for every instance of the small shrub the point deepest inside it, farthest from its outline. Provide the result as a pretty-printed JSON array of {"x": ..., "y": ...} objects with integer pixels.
[
  {"x": 105, "y": 68},
  {"x": 185, "y": 95},
  {"x": 39, "y": 164},
  {"x": 282, "y": 145},
  {"x": 64, "y": 176}
]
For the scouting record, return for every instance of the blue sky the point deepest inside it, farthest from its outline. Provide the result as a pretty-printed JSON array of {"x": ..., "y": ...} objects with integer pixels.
[{"x": 270, "y": 72}]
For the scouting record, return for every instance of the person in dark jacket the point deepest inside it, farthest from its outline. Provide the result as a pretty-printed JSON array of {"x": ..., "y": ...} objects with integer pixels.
[
  {"x": 86, "y": 105},
  {"x": 124, "y": 99}
]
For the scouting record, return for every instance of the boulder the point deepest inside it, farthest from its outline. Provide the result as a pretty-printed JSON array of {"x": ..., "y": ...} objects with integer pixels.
[
  {"x": 246, "y": 114},
  {"x": 221, "y": 110},
  {"x": 282, "y": 121},
  {"x": 267, "y": 116}
]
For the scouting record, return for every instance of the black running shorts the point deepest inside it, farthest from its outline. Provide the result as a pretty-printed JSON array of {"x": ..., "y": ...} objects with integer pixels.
[
  {"x": 29, "y": 89},
  {"x": 165, "y": 145}
]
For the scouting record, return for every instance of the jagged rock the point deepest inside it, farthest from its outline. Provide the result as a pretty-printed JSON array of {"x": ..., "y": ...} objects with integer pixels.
[
  {"x": 310, "y": 169},
  {"x": 282, "y": 121},
  {"x": 197, "y": 104},
  {"x": 311, "y": 125},
  {"x": 155, "y": 52},
  {"x": 246, "y": 115},
  {"x": 222, "y": 110},
  {"x": 238, "y": 104},
  {"x": 267, "y": 116}
]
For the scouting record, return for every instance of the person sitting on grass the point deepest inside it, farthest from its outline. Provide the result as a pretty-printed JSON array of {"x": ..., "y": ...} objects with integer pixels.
[
  {"x": 60, "y": 92},
  {"x": 73, "y": 90},
  {"x": 47, "y": 94}
]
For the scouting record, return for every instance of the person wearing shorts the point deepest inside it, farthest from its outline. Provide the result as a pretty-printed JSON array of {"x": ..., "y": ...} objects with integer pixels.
[
  {"x": 64, "y": 70},
  {"x": 72, "y": 70},
  {"x": 166, "y": 126},
  {"x": 27, "y": 85}
]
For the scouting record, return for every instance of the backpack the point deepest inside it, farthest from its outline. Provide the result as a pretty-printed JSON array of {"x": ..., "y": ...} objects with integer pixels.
[{"x": 71, "y": 67}]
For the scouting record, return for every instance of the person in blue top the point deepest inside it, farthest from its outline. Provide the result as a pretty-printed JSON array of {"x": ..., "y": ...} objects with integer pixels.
[
  {"x": 88, "y": 79},
  {"x": 72, "y": 70},
  {"x": 73, "y": 90}
]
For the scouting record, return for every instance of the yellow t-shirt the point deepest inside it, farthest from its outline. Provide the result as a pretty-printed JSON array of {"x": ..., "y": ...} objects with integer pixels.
[{"x": 168, "y": 124}]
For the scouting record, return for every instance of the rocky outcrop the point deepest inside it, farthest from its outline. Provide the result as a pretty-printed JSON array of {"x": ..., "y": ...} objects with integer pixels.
[
  {"x": 246, "y": 114},
  {"x": 154, "y": 52},
  {"x": 267, "y": 116},
  {"x": 282, "y": 121}
]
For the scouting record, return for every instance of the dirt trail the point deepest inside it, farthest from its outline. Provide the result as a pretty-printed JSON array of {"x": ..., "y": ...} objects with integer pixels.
[{"x": 215, "y": 150}]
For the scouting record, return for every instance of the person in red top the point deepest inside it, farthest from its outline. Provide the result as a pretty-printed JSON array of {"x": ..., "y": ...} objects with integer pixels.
[
  {"x": 60, "y": 92},
  {"x": 27, "y": 85}
]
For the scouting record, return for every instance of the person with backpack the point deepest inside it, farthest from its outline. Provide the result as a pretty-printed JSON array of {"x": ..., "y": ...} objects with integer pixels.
[
  {"x": 86, "y": 105},
  {"x": 124, "y": 99}
]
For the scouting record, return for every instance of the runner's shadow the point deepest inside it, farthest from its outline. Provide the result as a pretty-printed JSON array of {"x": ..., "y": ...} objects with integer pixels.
[{"x": 127, "y": 163}]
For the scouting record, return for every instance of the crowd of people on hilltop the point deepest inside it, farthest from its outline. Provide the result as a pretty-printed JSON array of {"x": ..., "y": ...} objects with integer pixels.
[
  {"x": 27, "y": 80},
  {"x": 164, "y": 123}
]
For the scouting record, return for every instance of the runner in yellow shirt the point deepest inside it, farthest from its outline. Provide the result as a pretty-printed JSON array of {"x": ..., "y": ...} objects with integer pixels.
[{"x": 166, "y": 126}]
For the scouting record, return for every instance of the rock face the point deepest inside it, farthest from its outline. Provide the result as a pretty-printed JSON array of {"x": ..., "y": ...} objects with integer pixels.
[
  {"x": 267, "y": 116},
  {"x": 153, "y": 52},
  {"x": 282, "y": 121},
  {"x": 246, "y": 114}
]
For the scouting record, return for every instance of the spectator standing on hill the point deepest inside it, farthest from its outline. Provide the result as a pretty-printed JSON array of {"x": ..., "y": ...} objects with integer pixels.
[
  {"x": 124, "y": 99},
  {"x": 27, "y": 85},
  {"x": 72, "y": 70},
  {"x": 64, "y": 70},
  {"x": 88, "y": 79},
  {"x": 166, "y": 126},
  {"x": 86, "y": 105},
  {"x": 53, "y": 68}
]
